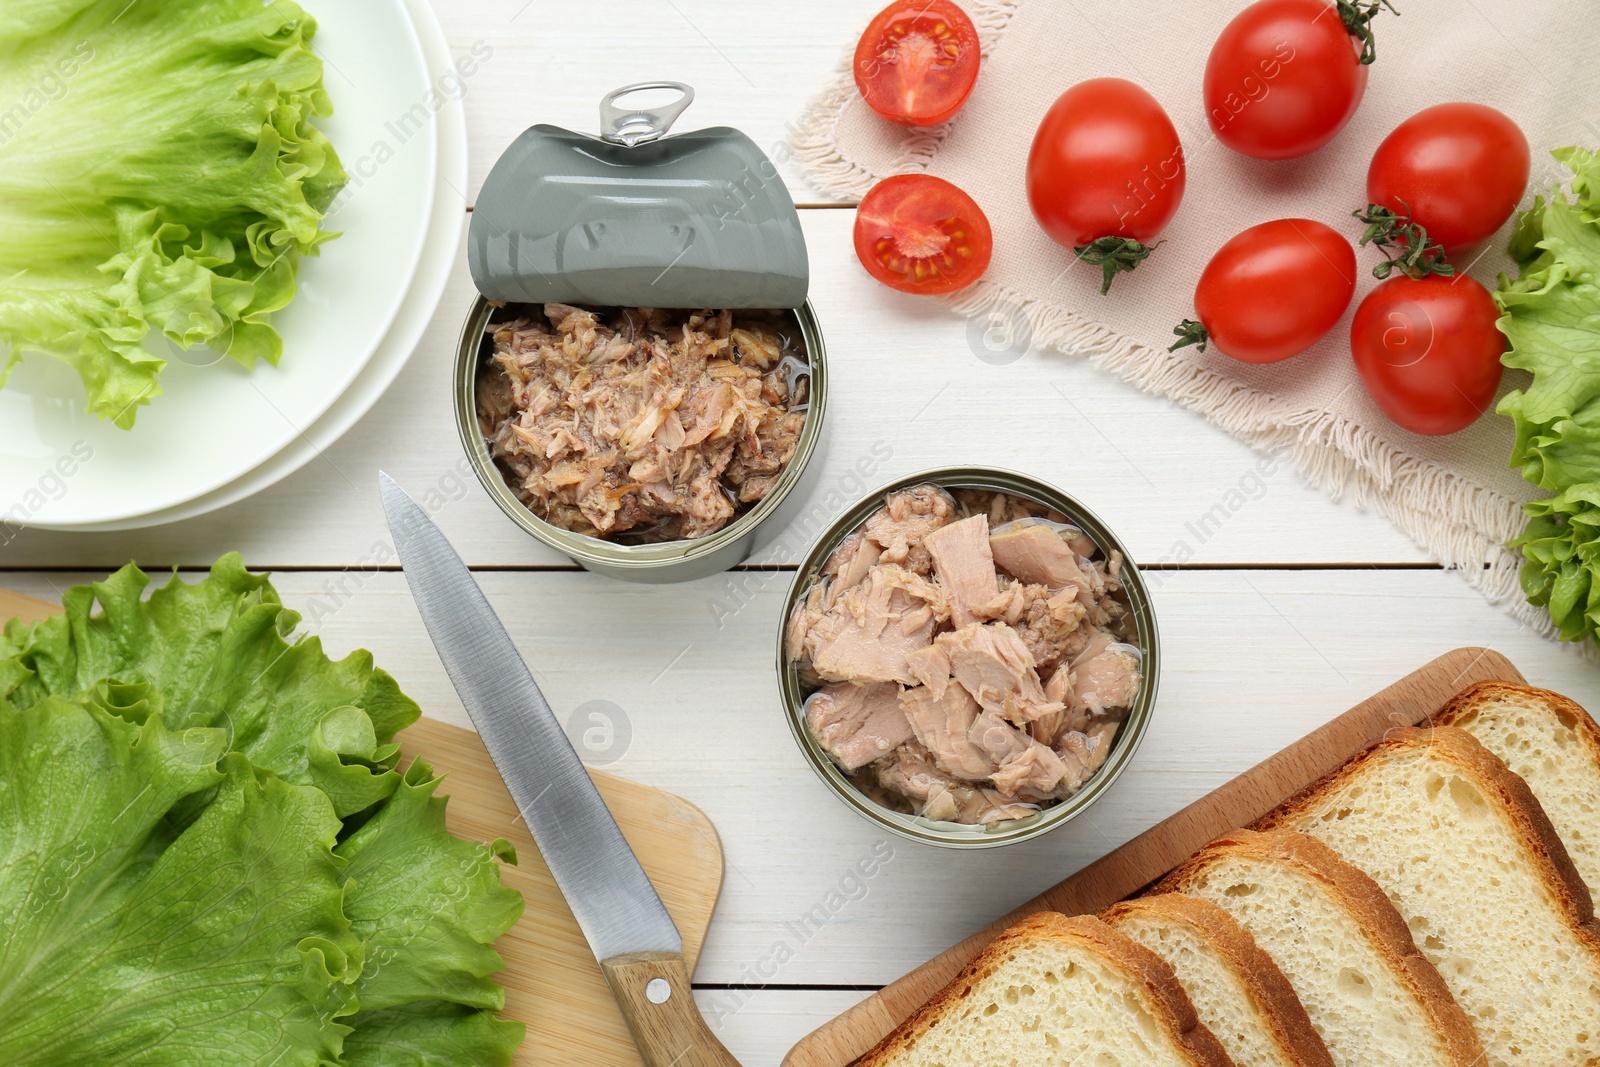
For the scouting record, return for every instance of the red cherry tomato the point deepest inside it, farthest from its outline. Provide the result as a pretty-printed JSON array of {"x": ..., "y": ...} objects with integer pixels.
[
  {"x": 917, "y": 61},
  {"x": 1286, "y": 75},
  {"x": 1457, "y": 169},
  {"x": 1105, "y": 163},
  {"x": 920, "y": 234},
  {"x": 1273, "y": 291},
  {"x": 1428, "y": 351}
]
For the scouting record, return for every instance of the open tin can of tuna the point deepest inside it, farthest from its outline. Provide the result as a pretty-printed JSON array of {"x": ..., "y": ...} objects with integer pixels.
[
  {"x": 642, "y": 382},
  {"x": 881, "y": 782}
]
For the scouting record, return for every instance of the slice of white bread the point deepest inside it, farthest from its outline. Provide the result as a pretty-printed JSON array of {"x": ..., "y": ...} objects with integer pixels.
[
  {"x": 1469, "y": 858},
  {"x": 1367, "y": 990},
  {"x": 1238, "y": 992},
  {"x": 1554, "y": 745},
  {"x": 1055, "y": 991}
]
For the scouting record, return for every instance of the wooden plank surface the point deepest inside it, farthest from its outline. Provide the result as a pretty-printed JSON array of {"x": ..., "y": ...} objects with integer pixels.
[
  {"x": 553, "y": 983},
  {"x": 1159, "y": 849},
  {"x": 1291, "y": 610}
]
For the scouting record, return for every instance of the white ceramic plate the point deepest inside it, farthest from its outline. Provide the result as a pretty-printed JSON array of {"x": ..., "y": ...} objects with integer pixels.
[
  {"x": 438, "y": 255},
  {"x": 218, "y": 422}
]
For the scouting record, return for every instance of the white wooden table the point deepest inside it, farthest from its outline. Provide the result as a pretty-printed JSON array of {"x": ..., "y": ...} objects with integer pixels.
[{"x": 1291, "y": 610}]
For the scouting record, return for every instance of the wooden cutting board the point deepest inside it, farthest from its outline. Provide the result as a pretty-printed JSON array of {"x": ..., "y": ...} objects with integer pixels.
[
  {"x": 1159, "y": 849},
  {"x": 553, "y": 983},
  {"x": 552, "y": 980}
]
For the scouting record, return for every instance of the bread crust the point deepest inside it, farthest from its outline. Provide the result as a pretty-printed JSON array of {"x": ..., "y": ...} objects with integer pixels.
[
  {"x": 1165, "y": 997},
  {"x": 1367, "y": 904},
  {"x": 1270, "y": 992},
  {"x": 1470, "y": 699},
  {"x": 1523, "y": 810},
  {"x": 1569, "y": 711}
]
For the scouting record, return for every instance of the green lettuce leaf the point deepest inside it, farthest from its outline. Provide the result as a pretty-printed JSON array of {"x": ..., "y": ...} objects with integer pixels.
[
  {"x": 129, "y": 941},
  {"x": 218, "y": 659},
  {"x": 156, "y": 180},
  {"x": 217, "y": 651},
  {"x": 1551, "y": 317},
  {"x": 431, "y": 1035},
  {"x": 429, "y": 907},
  {"x": 1562, "y": 547}
]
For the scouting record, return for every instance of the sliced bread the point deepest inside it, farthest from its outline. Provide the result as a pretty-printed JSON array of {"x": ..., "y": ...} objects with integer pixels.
[
  {"x": 1334, "y": 935},
  {"x": 1554, "y": 745},
  {"x": 1053, "y": 990},
  {"x": 1238, "y": 992},
  {"x": 1472, "y": 863}
]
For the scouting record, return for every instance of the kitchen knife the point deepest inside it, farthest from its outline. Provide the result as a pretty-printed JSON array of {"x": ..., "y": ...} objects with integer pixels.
[{"x": 628, "y": 928}]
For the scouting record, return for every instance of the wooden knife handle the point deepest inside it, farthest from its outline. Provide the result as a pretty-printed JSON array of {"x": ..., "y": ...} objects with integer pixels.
[{"x": 652, "y": 989}]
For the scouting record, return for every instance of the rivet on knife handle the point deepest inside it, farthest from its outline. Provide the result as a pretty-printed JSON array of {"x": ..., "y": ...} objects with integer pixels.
[{"x": 652, "y": 988}]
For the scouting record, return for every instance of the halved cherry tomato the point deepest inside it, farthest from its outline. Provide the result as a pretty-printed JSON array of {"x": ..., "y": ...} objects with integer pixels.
[
  {"x": 1105, "y": 173},
  {"x": 920, "y": 234},
  {"x": 1286, "y": 75},
  {"x": 917, "y": 62},
  {"x": 1272, "y": 291},
  {"x": 1428, "y": 351},
  {"x": 1458, "y": 170}
]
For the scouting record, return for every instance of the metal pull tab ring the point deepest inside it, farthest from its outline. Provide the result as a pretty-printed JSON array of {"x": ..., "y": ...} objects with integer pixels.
[{"x": 622, "y": 126}]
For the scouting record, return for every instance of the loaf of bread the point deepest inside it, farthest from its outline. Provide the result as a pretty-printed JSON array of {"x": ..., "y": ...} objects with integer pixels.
[
  {"x": 1238, "y": 992},
  {"x": 1476, "y": 869},
  {"x": 1554, "y": 745},
  {"x": 1054, "y": 990},
  {"x": 1333, "y": 934}
]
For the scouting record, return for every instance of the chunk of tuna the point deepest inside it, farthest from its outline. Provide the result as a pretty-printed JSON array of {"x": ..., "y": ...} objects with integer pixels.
[
  {"x": 867, "y": 634},
  {"x": 911, "y": 773},
  {"x": 942, "y": 724},
  {"x": 988, "y": 806},
  {"x": 906, "y": 518},
  {"x": 850, "y": 562},
  {"x": 1036, "y": 554},
  {"x": 1084, "y": 753},
  {"x": 931, "y": 667},
  {"x": 799, "y": 635},
  {"x": 1048, "y": 622},
  {"x": 1105, "y": 675},
  {"x": 964, "y": 566},
  {"x": 1009, "y": 605},
  {"x": 1021, "y": 763},
  {"x": 857, "y": 724},
  {"x": 1058, "y": 688},
  {"x": 991, "y": 662}
]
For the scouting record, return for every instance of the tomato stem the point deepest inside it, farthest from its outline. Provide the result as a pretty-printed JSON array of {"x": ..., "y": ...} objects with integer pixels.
[
  {"x": 1358, "y": 20},
  {"x": 1189, "y": 332},
  {"x": 1394, "y": 232},
  {"x": 1113, "y": 255}
]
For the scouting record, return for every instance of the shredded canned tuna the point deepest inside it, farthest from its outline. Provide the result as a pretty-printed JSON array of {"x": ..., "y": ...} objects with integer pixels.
[{"x": 641, "y": 425}]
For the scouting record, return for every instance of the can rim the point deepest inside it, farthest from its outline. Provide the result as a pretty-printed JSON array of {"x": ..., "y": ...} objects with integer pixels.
[
  {"x": 585, "y": 549},
  {"x": 1128, "y": 740}
]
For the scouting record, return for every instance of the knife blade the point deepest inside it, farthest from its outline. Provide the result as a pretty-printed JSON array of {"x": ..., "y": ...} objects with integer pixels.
[{"x": 617, "y": 908}]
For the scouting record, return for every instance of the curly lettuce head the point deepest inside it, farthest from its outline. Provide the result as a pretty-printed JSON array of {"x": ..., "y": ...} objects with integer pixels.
[{"x": 155, "y": 178}]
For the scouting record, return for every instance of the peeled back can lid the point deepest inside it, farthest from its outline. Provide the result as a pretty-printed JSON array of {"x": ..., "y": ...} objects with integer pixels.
[{"x": 634, "y": 218}]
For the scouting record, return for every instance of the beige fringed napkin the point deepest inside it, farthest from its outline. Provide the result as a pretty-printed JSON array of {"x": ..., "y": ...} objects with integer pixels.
[{"x": 1536, "y": 60}]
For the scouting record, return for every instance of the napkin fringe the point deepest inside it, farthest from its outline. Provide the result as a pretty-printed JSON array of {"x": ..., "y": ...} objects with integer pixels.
[
  {"x": 813, "y": 140},
  {"x": 1463, "y": 526}
]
